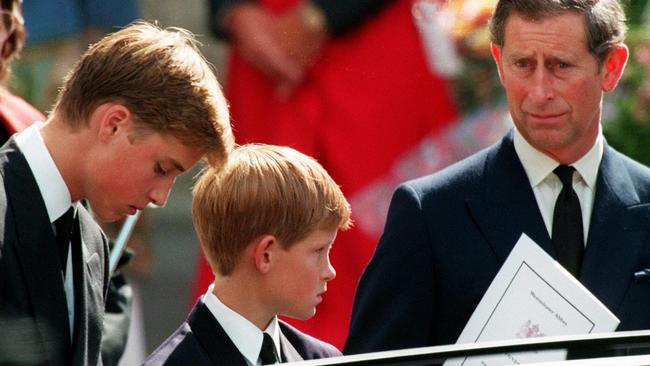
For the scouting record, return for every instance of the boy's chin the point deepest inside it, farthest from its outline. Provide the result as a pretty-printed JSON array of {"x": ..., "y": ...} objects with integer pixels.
[
  {"x": 302, "y": 315},
  {"x": 108, "y": 218}
]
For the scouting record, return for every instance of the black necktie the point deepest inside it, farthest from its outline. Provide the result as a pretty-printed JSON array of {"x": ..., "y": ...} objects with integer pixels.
[
  {"x": 268, "y": 353},
  {"x": 64, "y": 226},
  {"x": 567, "y": 223}
]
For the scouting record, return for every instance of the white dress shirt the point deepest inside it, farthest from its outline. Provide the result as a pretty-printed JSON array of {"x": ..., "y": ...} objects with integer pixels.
[
  {"x": 547, "y": 186},
  {"x": 54, "y": 191},
  {"x": 244, "y": 334}
]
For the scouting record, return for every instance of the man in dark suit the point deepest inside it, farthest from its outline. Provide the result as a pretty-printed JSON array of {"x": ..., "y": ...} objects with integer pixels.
[
  {"x": 448, "y": 234},
  {"x": 138, "y": 109},
  {"x": 266, "y": 223}
]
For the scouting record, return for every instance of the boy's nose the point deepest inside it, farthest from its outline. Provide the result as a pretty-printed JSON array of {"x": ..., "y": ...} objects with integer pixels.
[
  {"x": 330, "y": 272},
  {"x": 159, "y": 196}
]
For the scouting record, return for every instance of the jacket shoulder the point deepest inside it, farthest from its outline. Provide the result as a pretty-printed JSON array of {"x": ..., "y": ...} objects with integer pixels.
[
  {"x": 638, "y": 174},
  {"x": 180, "y": 348},
  {"x": 461, "y": 176},
  {"x": 309, "y": 347}
]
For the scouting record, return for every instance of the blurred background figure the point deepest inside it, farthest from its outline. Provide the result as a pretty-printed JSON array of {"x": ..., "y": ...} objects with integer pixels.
[
  {"x": 58, "y": 32},
  {"x": 15, "y": 113}
]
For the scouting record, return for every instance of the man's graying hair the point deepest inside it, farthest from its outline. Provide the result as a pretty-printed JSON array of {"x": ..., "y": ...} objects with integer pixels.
[{"x": 604, "y": 20}]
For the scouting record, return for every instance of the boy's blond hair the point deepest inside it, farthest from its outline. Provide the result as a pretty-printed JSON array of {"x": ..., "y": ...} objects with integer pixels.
[
  {"x": 161, "y": 77},
  {"x": 263, "y": 189}
]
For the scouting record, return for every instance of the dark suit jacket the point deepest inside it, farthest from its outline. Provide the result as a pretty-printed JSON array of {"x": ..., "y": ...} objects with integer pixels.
[
  {"x": 448, "y": 234},
  {"x": 33, "y": 312},
  {"x": 15, "y": 116},
  {"x": 201, "y": 341}
]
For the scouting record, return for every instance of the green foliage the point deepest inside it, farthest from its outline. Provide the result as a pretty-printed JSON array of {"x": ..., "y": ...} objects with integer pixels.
[
  {"x": 478, "y": 85},
  {"x": 634, "y": 11},
  {"x": 627, "y": 124}
]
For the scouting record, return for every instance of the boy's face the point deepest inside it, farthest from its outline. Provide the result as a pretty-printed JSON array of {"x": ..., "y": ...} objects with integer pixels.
[
  {"x": 301, "y": 274},
  {"x": 129, "y": 174}
]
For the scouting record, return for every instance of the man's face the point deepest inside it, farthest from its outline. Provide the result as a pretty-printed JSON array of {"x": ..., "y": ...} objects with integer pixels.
[
  {"x": 301, "y": 274},
  {"x": 553, "y": 83},
  {"x": 129, "y": 174}
]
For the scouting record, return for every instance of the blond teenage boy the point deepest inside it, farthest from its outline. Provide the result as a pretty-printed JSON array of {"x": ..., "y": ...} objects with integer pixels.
[
  {"x": 140, "y": 107},
  {"x": 266, "y": 223}
]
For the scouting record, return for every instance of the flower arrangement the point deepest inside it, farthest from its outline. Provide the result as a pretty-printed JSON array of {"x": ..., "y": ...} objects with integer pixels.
[{"x": 478, "y": 84}]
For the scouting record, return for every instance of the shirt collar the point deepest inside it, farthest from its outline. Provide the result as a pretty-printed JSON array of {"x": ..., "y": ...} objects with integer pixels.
[
  {"x": 53, "y": 189},
  {"x": 244, "y": 334},
  {"x": 538, "y": 165}
]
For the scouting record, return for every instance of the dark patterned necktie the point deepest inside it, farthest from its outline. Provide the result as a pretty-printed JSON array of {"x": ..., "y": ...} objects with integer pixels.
[
  {"x": 268, "y": 353},
  {"x": 567, "y": 223},
  {"x": 64, "y": 226}
]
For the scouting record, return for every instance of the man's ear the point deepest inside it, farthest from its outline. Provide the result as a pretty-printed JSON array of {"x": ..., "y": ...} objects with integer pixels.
[
  {"x": 263, "y": 249},
  {"x": 496, "y": 55},
  {"x": 613, "y": 66},
  {"x": 111, "y": 119}
]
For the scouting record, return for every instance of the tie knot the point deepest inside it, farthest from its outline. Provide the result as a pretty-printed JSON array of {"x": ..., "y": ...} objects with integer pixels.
[
  {"x": 268, "y": 353},
  {"x": 565, "y": 173},
  {"x": 64, "y": 223}
]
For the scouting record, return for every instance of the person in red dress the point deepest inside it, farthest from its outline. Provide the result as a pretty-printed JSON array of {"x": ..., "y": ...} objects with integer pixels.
[{"x": 346, "y": 82}]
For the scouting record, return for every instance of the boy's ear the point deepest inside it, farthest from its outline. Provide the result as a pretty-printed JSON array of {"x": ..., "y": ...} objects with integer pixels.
[
  {"x": 111, "y": 118},
  {"x": 263, "y": 252}
]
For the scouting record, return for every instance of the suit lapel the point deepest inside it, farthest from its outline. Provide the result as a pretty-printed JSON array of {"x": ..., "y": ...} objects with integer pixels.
[
  {"x": 89, "y": 274},
  {"x": 214, "y": 340},
  {"x": 288, "y": 351},
  {"x": 504, "y": 205},
  {"x": 617, "y": 231},
  {"x": 37, "y": 253},
  {"x": 501, "y": 207},
  {"x": 80, "y": 337}
]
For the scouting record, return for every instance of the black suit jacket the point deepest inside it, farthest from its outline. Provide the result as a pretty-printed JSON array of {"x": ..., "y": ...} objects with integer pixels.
[
  {"x": 201, "y": 341},
  {"x": 454, "y": 229},
  {"x": 33, "y": 312}
]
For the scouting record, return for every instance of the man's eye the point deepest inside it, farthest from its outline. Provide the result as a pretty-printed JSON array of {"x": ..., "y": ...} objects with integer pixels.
[
  {"x": 555, "y": 66},
  {"x": 522, "y": 63}
]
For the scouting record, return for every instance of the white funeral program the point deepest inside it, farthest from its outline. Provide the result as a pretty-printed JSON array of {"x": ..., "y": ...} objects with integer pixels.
[{"x": 532, "y": 296}]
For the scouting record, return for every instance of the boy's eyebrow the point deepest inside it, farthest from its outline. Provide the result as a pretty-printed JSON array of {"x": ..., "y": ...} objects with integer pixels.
[{"x": 177, "y": 165}]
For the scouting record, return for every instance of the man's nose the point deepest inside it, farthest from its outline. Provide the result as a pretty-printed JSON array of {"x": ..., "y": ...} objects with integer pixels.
[{"x": 542, "y": 86}]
